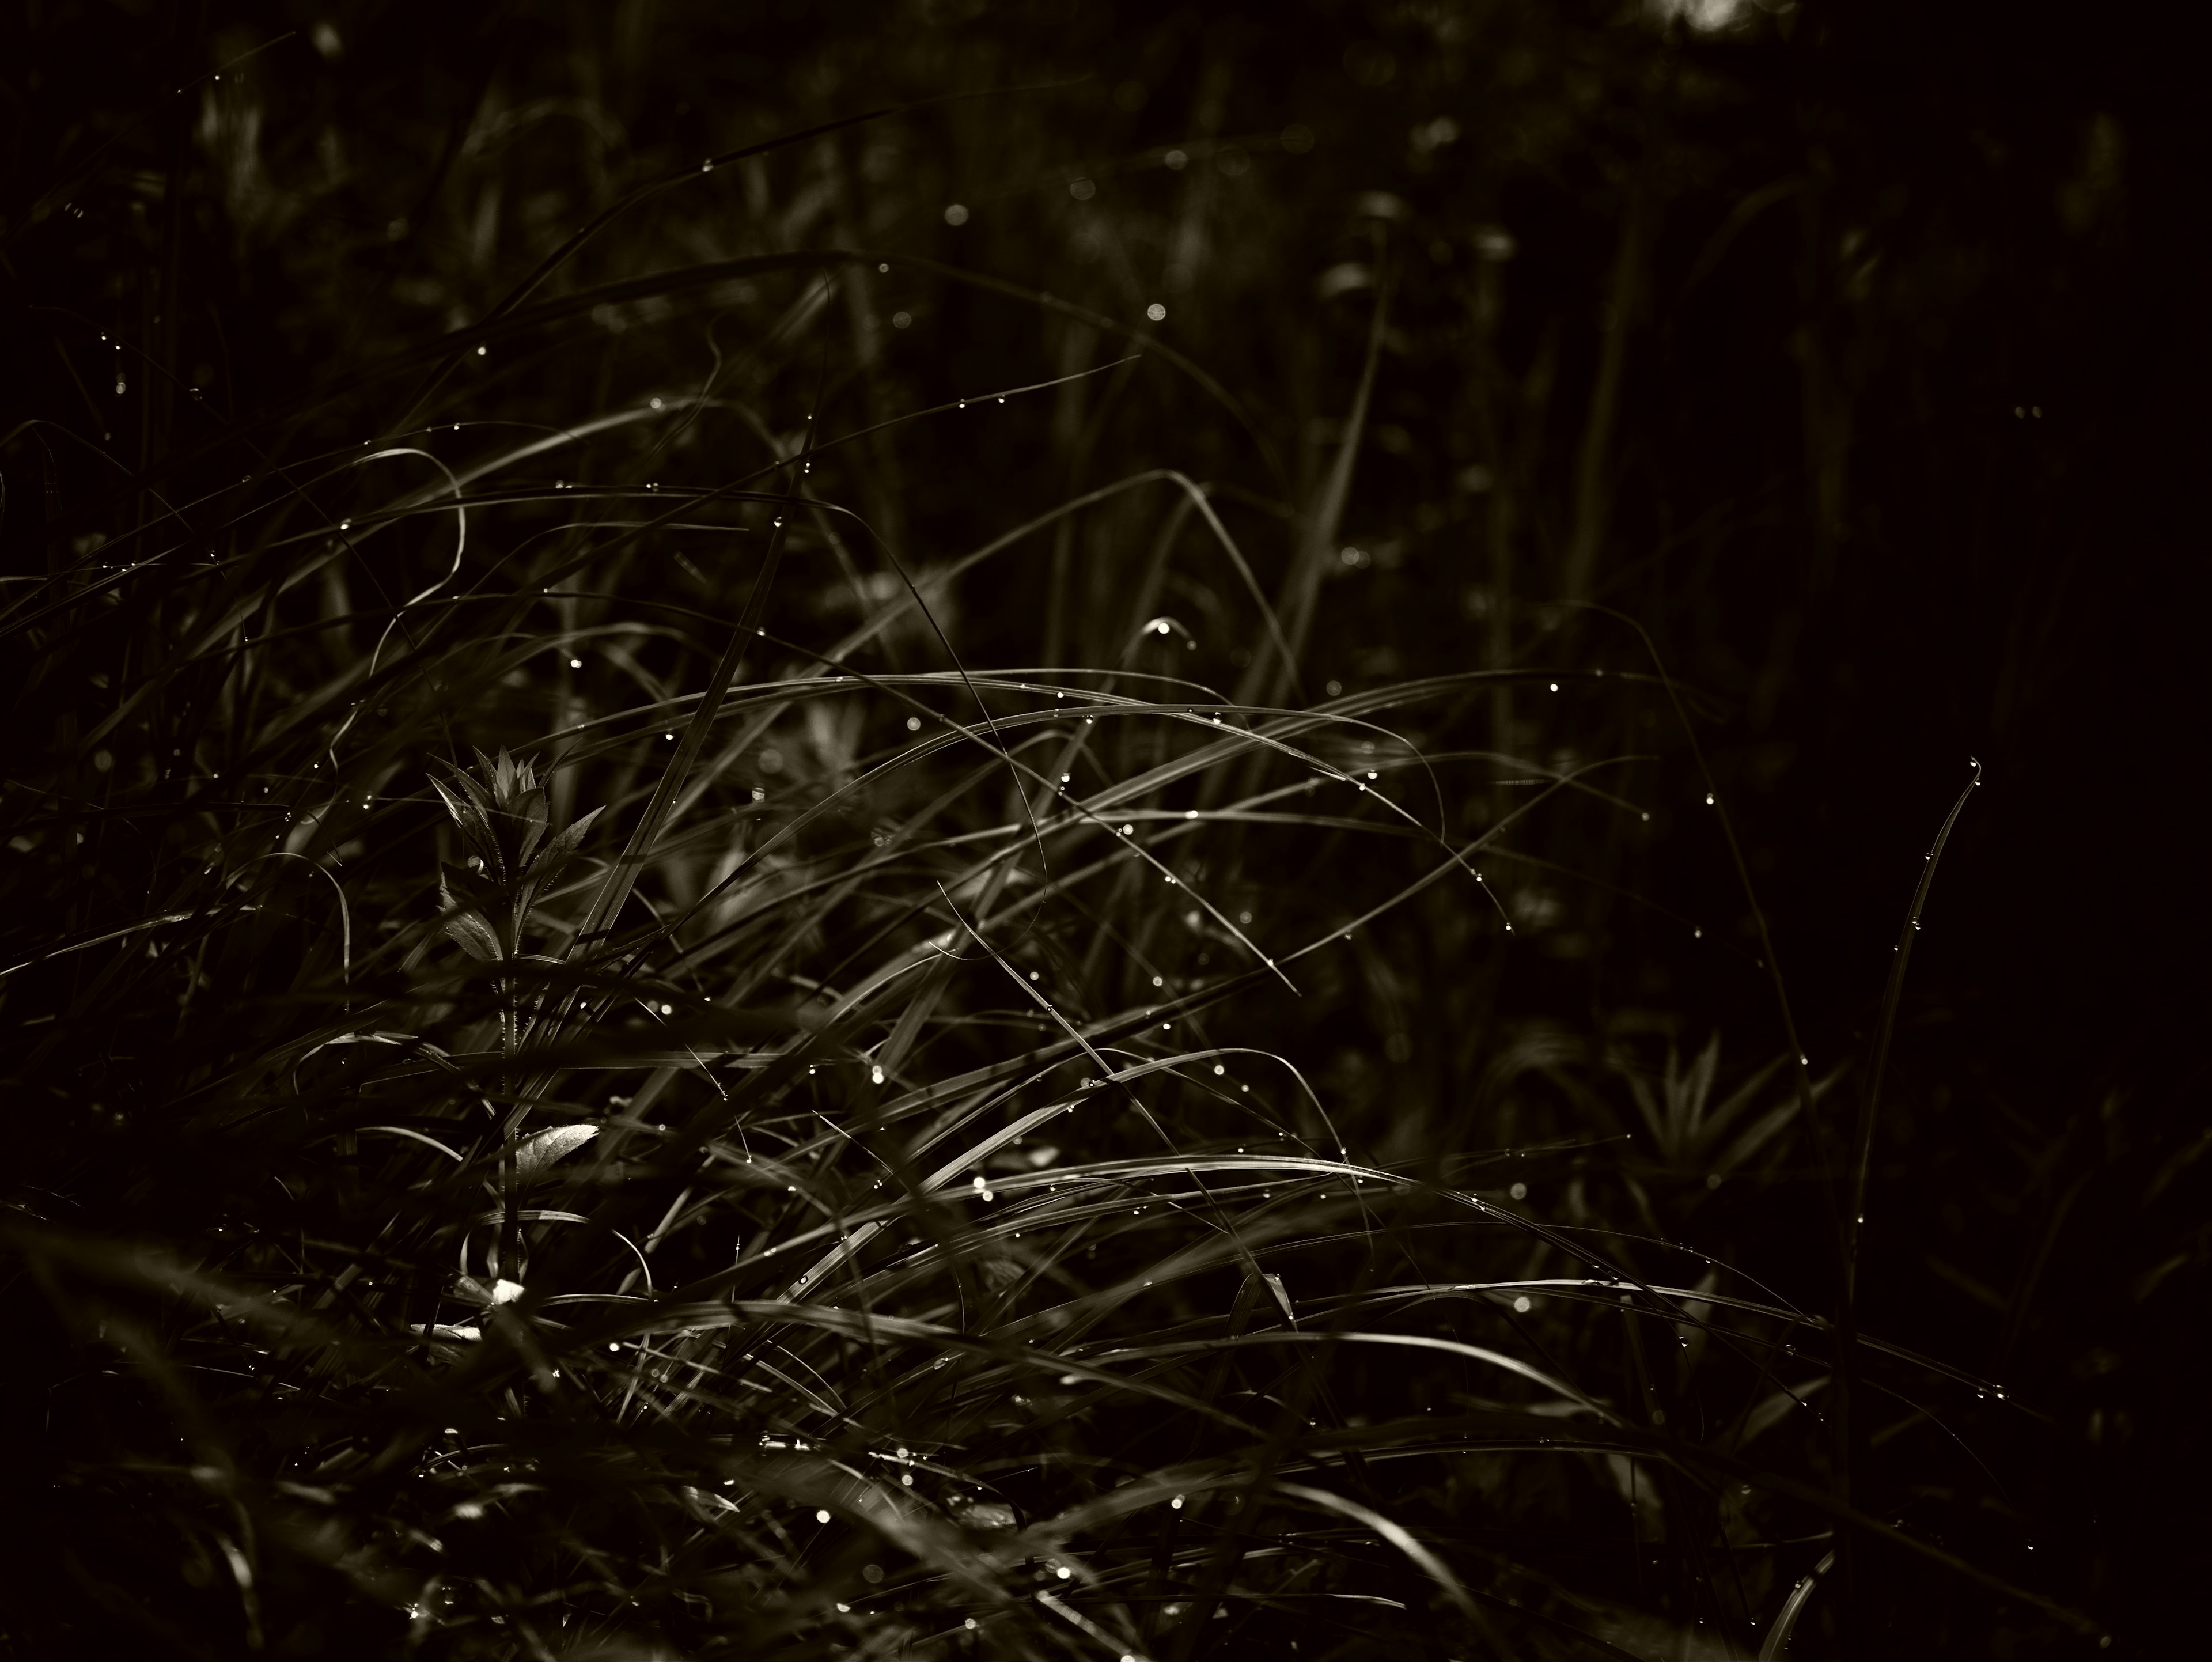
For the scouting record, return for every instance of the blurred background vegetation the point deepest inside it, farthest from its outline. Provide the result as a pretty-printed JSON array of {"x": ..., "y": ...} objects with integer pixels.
[{"x": 1851, "y": 350}]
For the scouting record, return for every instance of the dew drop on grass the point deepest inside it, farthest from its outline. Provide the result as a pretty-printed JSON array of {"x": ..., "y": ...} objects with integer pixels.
[{"x": 1521, "y": 1304}]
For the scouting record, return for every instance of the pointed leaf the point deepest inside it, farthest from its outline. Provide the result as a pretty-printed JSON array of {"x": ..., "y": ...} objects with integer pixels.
[
  {"x": 535, "y": 1154},
  {"x": 558, "y": 848},
  {"x": 469, "y": 815},
  {"x": 474, "y": 936},
  {"x": 486, "y": 803},
  {"x": 531, "y": 809},
  {"x": 463, "y": 810}
]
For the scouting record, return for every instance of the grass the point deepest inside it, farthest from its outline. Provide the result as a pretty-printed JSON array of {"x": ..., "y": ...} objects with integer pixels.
[
  {"x": 616, "y": 1057},
  {"x": 780, "y": 1164}
]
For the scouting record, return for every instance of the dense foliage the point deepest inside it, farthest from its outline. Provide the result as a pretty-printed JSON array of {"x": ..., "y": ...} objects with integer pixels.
[{"x": 1046, "y": 831}]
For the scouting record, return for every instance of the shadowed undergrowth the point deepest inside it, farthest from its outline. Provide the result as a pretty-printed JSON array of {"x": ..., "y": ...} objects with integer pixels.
[
  {"x": 781, "y": 1164},
  {"x": 589, "y": 1085}
]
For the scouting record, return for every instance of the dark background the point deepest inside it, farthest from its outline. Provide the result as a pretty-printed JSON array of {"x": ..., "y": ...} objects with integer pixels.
[{"x": 1855, "y": 352}]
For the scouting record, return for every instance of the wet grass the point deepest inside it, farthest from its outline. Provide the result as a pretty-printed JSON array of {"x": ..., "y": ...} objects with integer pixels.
[
  {"x": 773, "y": 1157},
  {"x": 618, "y": 1052}
]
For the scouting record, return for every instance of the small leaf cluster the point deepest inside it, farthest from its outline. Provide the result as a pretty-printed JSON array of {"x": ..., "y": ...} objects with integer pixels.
[{"x": 501, "y": 812}]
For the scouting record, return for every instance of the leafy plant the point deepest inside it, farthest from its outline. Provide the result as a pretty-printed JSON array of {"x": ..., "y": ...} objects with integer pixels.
[
  {"x": 903, "y": 1100},
  {"x": 502, "y": 821}
]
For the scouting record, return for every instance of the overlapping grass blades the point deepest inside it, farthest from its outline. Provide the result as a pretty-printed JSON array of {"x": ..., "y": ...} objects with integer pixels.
[{"x": 797, "y": 1147}]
